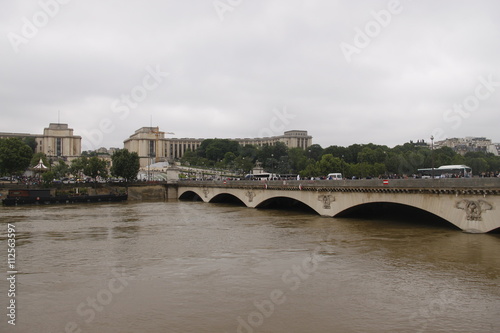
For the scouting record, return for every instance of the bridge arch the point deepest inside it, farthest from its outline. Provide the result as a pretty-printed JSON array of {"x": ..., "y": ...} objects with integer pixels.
[
  {"x": 227, "y": 198},
  {"x": 285, "y": 202},
  {"x": 394, "y": 210},
  {"x": 190, "y": 195}
]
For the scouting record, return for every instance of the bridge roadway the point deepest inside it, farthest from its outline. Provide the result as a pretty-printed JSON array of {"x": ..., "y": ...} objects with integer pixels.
[{"x": 470, "y": 204}]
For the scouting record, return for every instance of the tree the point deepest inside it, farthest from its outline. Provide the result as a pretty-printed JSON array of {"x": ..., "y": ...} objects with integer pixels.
[
  {"x": 315, "y": 151},
  {"x": 228, "y": 160},
  {"x": 297, "y": 159},
  {"x": 60, "y": 169},
  {"x": 328, "y": 164},
  {"x": 15, "y": 156},
  {"x": 271, "y": 155},
  {"x": 47, "y": 177},
  {"x": 36, "y": 158},
  {"x": 31, "y": 141},
  {"x": 243, "y": 164},
  {"x": 96, "y": 167},
  {"x": 215, "y": 149},
  {"x": 125, "y": 164},
  {"x": 78, "y": 165},
  {"x": 190, "y": 158},
  {"x": 310, "y": 170},
  {"x": 478, "y": 165},
  {"x": 249, "y": 152}
]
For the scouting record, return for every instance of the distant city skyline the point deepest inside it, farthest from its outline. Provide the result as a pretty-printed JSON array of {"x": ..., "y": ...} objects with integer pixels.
[
  {"x": 367, "y": 71},
  {"x": 472, "y": 142}
]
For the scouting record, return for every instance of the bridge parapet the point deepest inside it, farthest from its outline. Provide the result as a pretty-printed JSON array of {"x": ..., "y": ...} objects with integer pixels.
[{"x": 490, "y": 186}]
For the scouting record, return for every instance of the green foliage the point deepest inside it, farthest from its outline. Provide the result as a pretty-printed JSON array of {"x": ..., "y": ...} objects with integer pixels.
[
  {"x": 31, "y": 142},
  {"x": 215, "y": 149},
  {"x": 96, "y": 167},
  {"x": 47, "y": 177},
  {"x": 328, "y": 164},
  {"x": 360, "y": 160},
  {"x": 89, "y": 153},
  {"x": 60, "y": 169},
  {"x": 36, "y": 158},
  {"x": 125, "y": 164},
  {"x": 15, "y": 156},
  {"x": 271, "y": 157},
  {"x": 244, "y": 164},
  {"x": 91, "y": 167},
  {"x": 78, "y": 165},
  {"x": 478, "y": 165},
  {"x": 315, "y": 152},
  {"x": 297, "y": 159}
]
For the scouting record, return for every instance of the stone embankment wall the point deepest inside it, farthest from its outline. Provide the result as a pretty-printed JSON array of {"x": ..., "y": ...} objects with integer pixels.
[
  {"x": 136, "y": 192},
  {"x": 152, "y": 192}
]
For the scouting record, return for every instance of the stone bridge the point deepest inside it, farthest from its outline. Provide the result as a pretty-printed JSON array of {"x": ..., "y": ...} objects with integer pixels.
[{"x": 470, "y": 204}]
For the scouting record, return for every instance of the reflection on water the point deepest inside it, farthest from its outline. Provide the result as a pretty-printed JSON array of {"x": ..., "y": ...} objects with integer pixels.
[{"x": 196, "y": 267}]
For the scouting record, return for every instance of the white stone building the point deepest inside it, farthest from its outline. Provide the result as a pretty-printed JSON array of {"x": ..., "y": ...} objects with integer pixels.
[
  {"x": 152, "y": 146},
  {"x": 57, "y": 141}
]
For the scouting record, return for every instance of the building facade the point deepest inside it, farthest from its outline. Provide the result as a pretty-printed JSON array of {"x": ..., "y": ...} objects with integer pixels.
[
  {"x": 152, "y": 146},
  {"x": 57, "y": 141},
  {"x": 469, "y": 144}
]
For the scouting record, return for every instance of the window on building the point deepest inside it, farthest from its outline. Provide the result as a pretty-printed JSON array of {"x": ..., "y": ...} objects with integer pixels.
[
  {"x": 151, "y": 148},
  {"x": 58, "y": 147}
]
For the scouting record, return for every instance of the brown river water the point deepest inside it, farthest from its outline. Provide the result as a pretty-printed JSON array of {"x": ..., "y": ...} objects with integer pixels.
[{"x": 197, "y": 267}]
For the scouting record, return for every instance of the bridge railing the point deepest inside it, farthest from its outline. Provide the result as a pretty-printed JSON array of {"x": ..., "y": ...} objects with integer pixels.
[{"x": 441, "y": 183}]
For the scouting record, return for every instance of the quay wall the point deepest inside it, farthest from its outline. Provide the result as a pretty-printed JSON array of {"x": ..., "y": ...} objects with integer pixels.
[
  {"x": 136, "y": 191},
  {"x": 152, "y": 192}
]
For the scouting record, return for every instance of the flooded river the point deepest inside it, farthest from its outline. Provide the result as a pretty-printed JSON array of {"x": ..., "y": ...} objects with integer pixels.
[{"x": 196, "y": 267}]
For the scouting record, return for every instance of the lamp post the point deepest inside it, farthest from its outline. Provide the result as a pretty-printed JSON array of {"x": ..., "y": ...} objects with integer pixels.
[
  {"x": 272, "y": 166},
  {"x": 149, "y": 164},
  {"x": 50, "y": 158},
  {"x": 432, "y": 156},
  {"x": 342, "y": 164}
]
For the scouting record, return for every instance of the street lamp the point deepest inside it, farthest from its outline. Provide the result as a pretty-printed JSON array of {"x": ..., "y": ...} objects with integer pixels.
[
  {"x": 272, "y": 166},
  {"x": 50, "y": 158},
  {"x": 342, "y": 163},
  {"x": 432, "y": 155}
]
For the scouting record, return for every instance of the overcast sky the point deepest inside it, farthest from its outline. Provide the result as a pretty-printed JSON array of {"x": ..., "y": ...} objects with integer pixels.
[{"x": 346, "y": 71}]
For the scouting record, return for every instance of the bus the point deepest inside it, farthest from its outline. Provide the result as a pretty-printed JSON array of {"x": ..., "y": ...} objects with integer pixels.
[
  {"x": 447, "y": 171},
  {"x": 270, "y": 176},
  {"x": 260, "y": 176}
]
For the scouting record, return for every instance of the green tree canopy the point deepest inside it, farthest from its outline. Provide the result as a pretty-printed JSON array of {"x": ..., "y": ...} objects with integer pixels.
[
  {"x": 15, "y": 156},
  {"x": 78, "y": 165},
  {"x": 60, "y": 169},
  {"x": 31, "y": 141},
  {"x": 125, "y": 164},
  {"x": 36, "y": 158},
  {"x": 216, "y": 149},
  {"x": 96, "y": 167}
]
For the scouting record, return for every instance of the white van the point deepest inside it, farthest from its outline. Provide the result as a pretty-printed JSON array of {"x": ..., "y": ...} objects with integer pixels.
[{"x": 334, "y": 176}]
